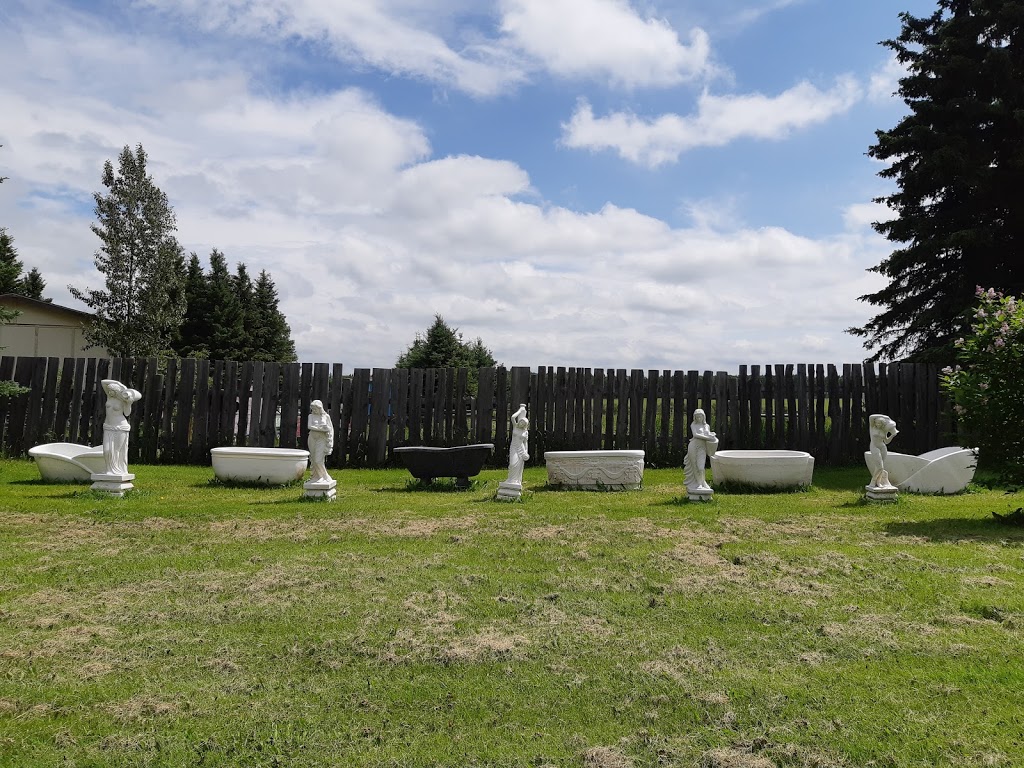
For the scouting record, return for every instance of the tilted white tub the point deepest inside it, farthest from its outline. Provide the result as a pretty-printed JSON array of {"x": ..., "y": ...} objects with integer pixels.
[
  {"x": 595, "y": 470},
  {"x": 269, "y": 466},
  {"x": 67, "y": 462},
  {"x": 763, "y": 469}
]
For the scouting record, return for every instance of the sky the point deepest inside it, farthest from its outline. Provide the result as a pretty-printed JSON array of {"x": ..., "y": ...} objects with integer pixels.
[{"x": 670, "y": 184}]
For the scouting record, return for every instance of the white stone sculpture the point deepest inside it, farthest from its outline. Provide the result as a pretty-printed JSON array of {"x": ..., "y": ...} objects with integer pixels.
[
  {"x": 703, "y": 443},
  {"x": 518, "y": 454},
  {"x": 612, "y": 470},
  {"x": 881, "y": 430},
  {"x": 944, "y": 470},
  {"x": 320, "y": 443},
  {"x": 115, "y": 479}
]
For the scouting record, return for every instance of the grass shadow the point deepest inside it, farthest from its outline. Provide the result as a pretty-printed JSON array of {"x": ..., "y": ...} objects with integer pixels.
[{"x": 949, "y": 529}]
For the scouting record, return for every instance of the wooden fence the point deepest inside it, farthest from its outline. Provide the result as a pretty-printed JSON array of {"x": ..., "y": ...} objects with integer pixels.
[{"x": 189, "y": 406}]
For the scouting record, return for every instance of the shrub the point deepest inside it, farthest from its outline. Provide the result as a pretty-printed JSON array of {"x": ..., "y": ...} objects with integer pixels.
[{"x": 987, "y": 384}]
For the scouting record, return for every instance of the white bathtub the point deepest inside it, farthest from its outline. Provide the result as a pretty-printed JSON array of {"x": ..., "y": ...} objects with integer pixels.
[
  {"x": 595, "y": 470},
  {"x": 270, "y": 466},
  {"x": 946, "y": 470},
  {"x": 68, "y": 462},
  {"x": 764, "y": 469}
]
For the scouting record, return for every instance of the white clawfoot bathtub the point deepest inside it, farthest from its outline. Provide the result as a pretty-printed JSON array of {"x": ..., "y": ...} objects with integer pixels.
[
  {"x": 68, "y": 462},
  {"x": 763, "y": 469},
  {"x": 945, "y": 470},
  {"x": 269, "y": 466},
  {"x": 595, "y": 470}
]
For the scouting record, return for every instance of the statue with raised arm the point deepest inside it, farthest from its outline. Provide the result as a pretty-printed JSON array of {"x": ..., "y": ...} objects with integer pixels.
[
  {"x": 115, "y": 479},
  {"x": 881, "y": 431},
  {"x": 518, "y": 455},
  {"x": 703, "y": 443},
  {"x": 320, "y": 443}
]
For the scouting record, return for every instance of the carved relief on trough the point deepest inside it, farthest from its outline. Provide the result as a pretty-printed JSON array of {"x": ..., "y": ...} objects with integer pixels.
[{"x": 595, "y": 470}]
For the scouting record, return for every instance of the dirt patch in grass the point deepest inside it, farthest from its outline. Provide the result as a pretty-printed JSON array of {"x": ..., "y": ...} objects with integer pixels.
[
  {"x": 606, "y": 757},
  {"x": 300, "y": 530},
  {"x": 142, "y": 707},
  {"x": 728, "y": 757},
  {"x": 485, "y": 645}
]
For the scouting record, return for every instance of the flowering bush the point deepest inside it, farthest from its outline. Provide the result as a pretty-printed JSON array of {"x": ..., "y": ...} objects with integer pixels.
[{"x": 987, "y": 385}]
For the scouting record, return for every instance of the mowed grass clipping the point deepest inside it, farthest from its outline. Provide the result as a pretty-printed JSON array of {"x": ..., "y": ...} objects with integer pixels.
[{"x": 192, "y": 624}]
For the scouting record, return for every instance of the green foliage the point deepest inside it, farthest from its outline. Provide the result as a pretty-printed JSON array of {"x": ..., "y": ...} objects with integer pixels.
[
  {"x": 958, "y": 159},
  {"x": 987, "y": 386},
  {"x": 9, "y": 388},
  {"x": 141, "y": 308},
  {"x": 229, "y": 318},
  {"x": 10, "y": 265},
  {"x": 442, "y": 347}
]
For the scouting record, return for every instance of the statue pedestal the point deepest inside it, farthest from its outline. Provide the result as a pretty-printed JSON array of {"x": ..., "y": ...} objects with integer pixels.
[
  {"x": 885, "y": 493},
  {"x": 700, "y": 494},
  {"x": 112, "y": 484},
  {"x": 509, "y": 491},
  {"x": 320, "y": 489}
]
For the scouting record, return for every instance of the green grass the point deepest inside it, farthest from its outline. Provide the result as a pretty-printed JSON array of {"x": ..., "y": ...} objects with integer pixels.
[{"x": 192, "y": 624}]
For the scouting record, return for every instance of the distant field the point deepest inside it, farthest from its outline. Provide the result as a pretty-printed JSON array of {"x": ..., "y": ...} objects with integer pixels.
[{"x": 192, "y": 624}]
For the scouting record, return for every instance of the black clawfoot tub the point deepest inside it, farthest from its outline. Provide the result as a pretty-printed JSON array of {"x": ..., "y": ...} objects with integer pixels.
[{"x": 461, "y": 461}]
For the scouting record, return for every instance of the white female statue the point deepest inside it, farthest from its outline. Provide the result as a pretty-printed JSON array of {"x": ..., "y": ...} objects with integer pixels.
[
  {"x": 115, "y": 425},
  {"x": 518, "y": 455},
  {"x": 320, "y": 442},
  {"x": 881, "y": 430},
  {"x": 702, "y": 444}
]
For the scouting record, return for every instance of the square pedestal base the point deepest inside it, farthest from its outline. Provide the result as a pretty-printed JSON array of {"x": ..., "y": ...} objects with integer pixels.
[
  {"x": 320, "y": 489},
  {"x": 115, "y": 485},
  {"x": 881, "y": 493},
  {"x": 509, "y": 491},
  {"x": 700, "y": 494}
]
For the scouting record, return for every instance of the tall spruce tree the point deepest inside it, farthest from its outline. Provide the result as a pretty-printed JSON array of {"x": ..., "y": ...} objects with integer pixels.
[
  {"x": 271, "y": 337},
  {"x": 140, "y": 310},
  {"x": 958, "y": 159},
  {"x": 10, "y": 265},
  {"x": 32, "y": 285},
  {"x": 225, "y": 323},
  {"x": 191, "y": 340},
  {"x": 244, "y": 294}
]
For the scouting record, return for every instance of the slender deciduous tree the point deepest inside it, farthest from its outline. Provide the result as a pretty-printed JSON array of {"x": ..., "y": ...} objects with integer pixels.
[
  {"x": 958, "y": 160},
  {"x": 141, "y": 307}
]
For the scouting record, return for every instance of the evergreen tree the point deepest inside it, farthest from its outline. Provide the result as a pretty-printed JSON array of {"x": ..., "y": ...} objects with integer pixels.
[
  {"x": 271, "y": 336},
  {"x": 242, "y": 284},
  {"x": 442, "y": 347},
  {"x": 141, "y": 308},
  {"x": 224, "y": 313},
  {"x": 191, "y": 340},
  {"x": 10, "y": 265},
  {"x": 958, "y": 159},
  {"x": 32, "y": 285}
]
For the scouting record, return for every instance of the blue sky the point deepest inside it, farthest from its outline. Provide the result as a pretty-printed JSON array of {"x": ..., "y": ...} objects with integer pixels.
[{"x": 605, "y": 183}]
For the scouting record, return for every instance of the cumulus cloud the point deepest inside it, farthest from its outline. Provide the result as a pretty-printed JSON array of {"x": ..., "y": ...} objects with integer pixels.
[
  {"x": 605, "y": 39},
  {"x": 717, "y": 121}
]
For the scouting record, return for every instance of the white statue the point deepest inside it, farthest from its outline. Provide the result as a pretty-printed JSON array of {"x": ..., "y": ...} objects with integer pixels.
[
  {"x": 320, "y": 443},
  {"x": 115, "y": 479},
  {"x": 115, "y": 425},
  {"x": 881, "y": 430},
  {"x": 702, "y": 444},
  {"x": 518, "y": 455}
]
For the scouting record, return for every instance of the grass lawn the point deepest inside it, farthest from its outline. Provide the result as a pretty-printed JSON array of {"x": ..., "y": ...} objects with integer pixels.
[{"x": 192, "y": 624}]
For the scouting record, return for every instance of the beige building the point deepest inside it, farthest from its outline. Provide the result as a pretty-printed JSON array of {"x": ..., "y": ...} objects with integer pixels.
[{"x": 43, "y": 329}]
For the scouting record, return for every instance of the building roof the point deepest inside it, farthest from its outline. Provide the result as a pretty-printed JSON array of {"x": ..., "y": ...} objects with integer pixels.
[{"x": 14, "y": 300}]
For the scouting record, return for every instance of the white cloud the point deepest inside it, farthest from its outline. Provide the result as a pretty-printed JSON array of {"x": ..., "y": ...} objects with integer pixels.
[
  {"x": 885, "y": 81},
  {"x": 604, "y": 39},
  {"x": 717, "y": 121}
]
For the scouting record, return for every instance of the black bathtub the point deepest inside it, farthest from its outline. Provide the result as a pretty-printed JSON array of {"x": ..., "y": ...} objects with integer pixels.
[{"x": 461, "y": 461}]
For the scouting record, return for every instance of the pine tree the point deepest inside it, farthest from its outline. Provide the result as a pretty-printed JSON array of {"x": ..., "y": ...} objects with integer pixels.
[
  {"x": 141, "y": 308},
  {"x": 32, "y": 285},
  {"x": 242, "y": 284},
  {"x": 191, "y": 339},
  {"x": 958, "y": 159},
  {"x": 225, "y": 322},
  {"x": 271, "y": 336},
  {"x": 10, "y": 265}
]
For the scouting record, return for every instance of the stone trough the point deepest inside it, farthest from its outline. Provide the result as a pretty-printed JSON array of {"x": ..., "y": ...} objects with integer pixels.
[
  {"x": 595, "y": 470},
  {"x": 266, "y": 466},
  {"x": 763, "y": 469}
]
